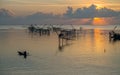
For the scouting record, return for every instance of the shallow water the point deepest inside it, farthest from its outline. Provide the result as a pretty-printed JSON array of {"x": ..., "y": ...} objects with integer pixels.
[{"x": 91, "y": 53}]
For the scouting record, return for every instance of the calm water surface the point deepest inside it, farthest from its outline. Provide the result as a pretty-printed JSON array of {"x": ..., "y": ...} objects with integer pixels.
[{"x": 89, "y": 54}]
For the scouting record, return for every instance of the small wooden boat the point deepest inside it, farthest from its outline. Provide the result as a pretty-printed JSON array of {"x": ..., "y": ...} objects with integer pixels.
[
  {"x": 23, "y": 53},
  {"x": 113, "y": 35}
]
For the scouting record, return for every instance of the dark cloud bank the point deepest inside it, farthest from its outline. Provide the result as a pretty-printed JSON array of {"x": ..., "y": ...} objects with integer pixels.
[{"x": 83, "y": 15}]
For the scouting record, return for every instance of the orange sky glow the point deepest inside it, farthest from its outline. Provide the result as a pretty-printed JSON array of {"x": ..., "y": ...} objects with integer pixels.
[
  {"x": 54, "y": 6},
  {"x": 99, "y": 21},
  {"x": 22, "y": 8}
]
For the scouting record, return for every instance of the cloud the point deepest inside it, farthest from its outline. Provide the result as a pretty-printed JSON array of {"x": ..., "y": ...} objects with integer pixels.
[
  {"x": 40, "y": 15},
  {"x": 4, "y": 13},
  {"x": 79, "y": 16},
  {"x": 69, "y": 12},
  {"x": 90, "y": 12},
  {"x": 6, "y": 16}
]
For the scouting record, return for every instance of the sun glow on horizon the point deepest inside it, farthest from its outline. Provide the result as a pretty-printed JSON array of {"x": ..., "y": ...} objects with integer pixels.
[{"x": 99, "y": 21}]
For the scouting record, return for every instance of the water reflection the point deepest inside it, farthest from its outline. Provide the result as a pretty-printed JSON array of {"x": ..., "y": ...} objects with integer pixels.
[
  {"x": 93, "y": 39},
  {"x": 61, "y": 47},
  {"x": 99, "y": 41},
  {"x": 91, "y": 53}
]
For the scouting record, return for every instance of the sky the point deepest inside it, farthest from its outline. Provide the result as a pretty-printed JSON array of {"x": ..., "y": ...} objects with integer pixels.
[
  {"x": 93, "y": 12},
  {"x": 24, "y": 7}
]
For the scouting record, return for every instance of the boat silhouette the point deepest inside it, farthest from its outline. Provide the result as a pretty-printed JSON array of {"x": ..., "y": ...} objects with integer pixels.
[{"x": 23, "y": 53}]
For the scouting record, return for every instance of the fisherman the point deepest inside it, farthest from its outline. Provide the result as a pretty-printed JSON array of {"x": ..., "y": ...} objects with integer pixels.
[
  {"x": 25, "y": 54},
  {"x": 31, "y": 28},
  {"x": 61, "y": 35}
]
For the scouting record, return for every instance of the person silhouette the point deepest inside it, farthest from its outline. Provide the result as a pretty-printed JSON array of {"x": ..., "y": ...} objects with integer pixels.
[{"x": 25, "y": 54}]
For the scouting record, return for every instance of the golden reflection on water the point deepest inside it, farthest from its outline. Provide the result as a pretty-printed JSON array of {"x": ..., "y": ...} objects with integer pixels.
[
  {"x": 100, "y": 41},
  {"x": 85, "y": 54},
  {"x": 92, "y": 40}
]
